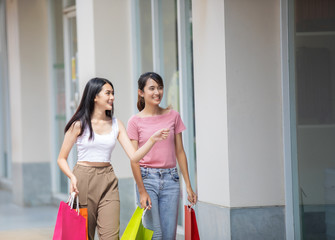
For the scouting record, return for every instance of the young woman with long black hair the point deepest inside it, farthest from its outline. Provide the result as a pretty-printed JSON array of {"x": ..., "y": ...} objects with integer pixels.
[
  {"x": 95, "y": 130},
  {"x": 156, "y": 174}
]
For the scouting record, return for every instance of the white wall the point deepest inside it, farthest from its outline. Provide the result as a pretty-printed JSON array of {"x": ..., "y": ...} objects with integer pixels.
[
  {"x": 28, "y": 80},
  {"x": 29, "y": 94},
  {"x": 108, "y": 55},
  {"x": 210, "y": 95},
  {"x": 14, "y": 72},
  {"x": 113, "y": 46},
  {"x": 86, "y": 38},
  {"x": 35, "y": 80},
  {"x": 238, "y": 109},
  {"x": 254, "y": 102}
]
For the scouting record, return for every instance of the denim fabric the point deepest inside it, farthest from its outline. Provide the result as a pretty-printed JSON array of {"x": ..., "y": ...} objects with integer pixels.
[{"x": 162, "y": 185}]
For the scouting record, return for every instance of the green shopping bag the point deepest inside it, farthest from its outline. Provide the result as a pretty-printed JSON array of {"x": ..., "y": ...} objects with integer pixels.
[{"x": 135, "y": 229}]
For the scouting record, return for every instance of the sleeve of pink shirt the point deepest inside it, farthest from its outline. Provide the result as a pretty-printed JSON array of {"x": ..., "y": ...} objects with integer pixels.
[
  {"x": 132, "y": 129},
  {"x": 179, "y": 125}
]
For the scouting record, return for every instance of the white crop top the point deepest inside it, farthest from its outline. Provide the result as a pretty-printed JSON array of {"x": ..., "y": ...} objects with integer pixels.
[{"x": 100, "y": 147}]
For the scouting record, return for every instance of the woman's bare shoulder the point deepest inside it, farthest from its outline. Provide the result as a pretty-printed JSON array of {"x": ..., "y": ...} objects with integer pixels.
[{"x": 75, "y": 127}]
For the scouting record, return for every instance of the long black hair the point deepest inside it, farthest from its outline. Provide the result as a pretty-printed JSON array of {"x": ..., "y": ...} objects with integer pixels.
[
  {"x": 142, "y": 81},
  {"x": 86, "y": 106}
]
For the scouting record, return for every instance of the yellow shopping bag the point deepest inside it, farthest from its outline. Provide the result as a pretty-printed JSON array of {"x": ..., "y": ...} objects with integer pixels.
[{"x": 135, "y": 229}]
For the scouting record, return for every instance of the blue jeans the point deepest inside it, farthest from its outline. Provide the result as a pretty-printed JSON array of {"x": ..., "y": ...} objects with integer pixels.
[{"x": 162, "y": 185}]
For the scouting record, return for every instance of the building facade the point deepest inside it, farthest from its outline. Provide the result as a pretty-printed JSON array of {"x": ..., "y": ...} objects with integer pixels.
[{"x": 254, "y": 82}]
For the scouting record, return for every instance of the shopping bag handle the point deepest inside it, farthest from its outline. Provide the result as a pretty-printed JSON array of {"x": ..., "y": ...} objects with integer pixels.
[
  {"x": 189, "y": 207},
  {"x": 70, "y": 201},
  {"x": 144, "y": 211}
]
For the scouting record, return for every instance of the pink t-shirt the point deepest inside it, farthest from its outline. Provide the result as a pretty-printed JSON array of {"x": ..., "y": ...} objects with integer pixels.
[{"x": 162, "y": 154}]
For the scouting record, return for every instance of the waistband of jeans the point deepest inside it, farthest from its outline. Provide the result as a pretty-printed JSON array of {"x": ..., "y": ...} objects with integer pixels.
[{"x": 159, "y": 170}]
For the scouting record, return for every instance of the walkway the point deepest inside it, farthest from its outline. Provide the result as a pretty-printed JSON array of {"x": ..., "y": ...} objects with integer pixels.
[
  {"x": 28, "y": 223},
  {"x": 35, "y": 223}
]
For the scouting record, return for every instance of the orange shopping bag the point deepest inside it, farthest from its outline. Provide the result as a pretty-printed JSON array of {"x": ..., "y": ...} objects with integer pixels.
[{"x": 83, "y": 212}]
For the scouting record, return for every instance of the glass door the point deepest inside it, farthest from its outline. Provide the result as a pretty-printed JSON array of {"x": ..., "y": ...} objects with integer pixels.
[{"x": 314, "y": 103}]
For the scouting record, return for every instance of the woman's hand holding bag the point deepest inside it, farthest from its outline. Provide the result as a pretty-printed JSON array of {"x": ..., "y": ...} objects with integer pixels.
[
  {"x": 191, "y": 226},
  {"x": 135, "y": 229}
]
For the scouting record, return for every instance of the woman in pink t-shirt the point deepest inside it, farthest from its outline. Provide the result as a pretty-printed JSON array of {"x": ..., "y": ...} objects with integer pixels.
[{"x": 156, "y": 174}]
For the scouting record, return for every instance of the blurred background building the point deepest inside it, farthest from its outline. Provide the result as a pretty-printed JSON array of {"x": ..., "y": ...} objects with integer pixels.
[{"x": 254, "y": 82}]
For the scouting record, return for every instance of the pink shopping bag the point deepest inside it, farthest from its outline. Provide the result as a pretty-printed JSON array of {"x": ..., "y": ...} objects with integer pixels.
[{"x": 70, "y": 225}]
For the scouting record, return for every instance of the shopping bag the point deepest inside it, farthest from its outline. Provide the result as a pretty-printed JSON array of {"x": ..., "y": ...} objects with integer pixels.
[
  {"x": 191, "y": 227},
  {"x": 70, "y": 225},
  {"x": 135, "y": 229},
  {"x": 83, "y": 212}
]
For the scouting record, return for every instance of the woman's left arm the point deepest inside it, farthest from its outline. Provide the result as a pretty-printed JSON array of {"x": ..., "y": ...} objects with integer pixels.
[
  {"x": 136, "y": 155},
  {"x": 182, "y": 161}
]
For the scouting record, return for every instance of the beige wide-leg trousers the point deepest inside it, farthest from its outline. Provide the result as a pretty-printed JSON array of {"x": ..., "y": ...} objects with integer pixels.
[{"x": 98, "y": 192}]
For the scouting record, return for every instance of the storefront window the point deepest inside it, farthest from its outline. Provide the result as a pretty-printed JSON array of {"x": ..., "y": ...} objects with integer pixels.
[
  {"x": 71, "y": 80},
  {"x": 58, "y": 83},
  {"x": 314, "y": 101},
  {"x": 5, "y": 154},
  {"x": 144, "y": 33},
  {"x": 68, "y": 3},
  {"x": 64, "y": 79}
]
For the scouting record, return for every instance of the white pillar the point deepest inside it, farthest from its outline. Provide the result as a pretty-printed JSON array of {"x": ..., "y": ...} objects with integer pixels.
[
  {"x": 29, "y": 100},
  {"x": 254, "y": 103},
  {"x": 210, "y": 94},
  {"x": 86, "y": 41},
  {"x": 238, "y": 109}
]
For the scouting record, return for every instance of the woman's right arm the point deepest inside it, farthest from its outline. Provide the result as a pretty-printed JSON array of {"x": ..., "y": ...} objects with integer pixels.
[
  {"x": 145, "y": 200},
  {"x": 68, "y": 142}
]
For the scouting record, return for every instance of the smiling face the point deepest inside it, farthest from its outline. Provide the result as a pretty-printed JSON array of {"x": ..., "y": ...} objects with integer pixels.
[
  {"x": 152, "y": 92},
  {"x": 105, "y": 98}
]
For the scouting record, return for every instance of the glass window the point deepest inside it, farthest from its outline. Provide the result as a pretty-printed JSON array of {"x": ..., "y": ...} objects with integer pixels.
[
  {"x": 168, "y": 47},
  {"x": 314, "y": 52},
  {"x": 59, "y": 111},
  {"x": 64, "y": 80},
  {"x": 161, "y": 55},
  {"x": 72, "y": 61},
  {"x": 69, "y": 3},
  {"x": 71, "y": 81},
  {"x": 5, "y": 154},
  {"x": 144, "y": 31}
]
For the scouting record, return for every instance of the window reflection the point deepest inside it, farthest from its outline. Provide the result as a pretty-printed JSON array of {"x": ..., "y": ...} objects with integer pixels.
[{"x": 315, "y": 100}]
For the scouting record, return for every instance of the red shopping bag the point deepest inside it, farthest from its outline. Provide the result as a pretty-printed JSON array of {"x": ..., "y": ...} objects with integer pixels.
[
  {"x": 70, "y": 225},
  {"x": 191, "y": 227}
]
